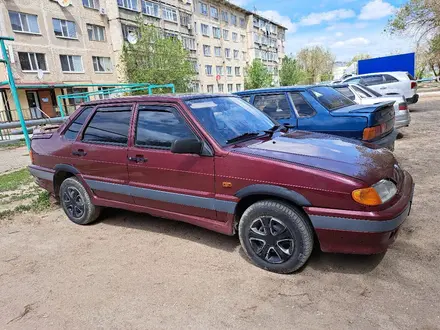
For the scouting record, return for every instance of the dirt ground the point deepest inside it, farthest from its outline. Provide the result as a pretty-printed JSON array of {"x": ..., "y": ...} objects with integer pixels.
[
  {"x": 13, "y": 159},
  {"x": 134, "y": 271}
]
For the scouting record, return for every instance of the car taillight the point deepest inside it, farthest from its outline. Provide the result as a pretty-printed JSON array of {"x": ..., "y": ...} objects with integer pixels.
[
  {"x": 372, "y": 132},
  {"x": 31, "y": 154},
  {"x": 413, "y": 84},
  {"x": 403, "y": 106}
]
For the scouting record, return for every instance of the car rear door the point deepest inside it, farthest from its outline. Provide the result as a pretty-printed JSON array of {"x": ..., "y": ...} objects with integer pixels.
[
  {"x": 277, "y": 106},
  {"x": 394, "y": 86},
  {"x": 375, "y": 82},
  {"x": 100, "y": 151},
  {"x": 160, "y": 179}
]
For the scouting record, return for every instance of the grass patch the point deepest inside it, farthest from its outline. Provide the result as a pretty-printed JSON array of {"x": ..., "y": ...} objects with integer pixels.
[
  {"x": 13, "y": 180},
  {"x": 13, "y": 144},
  {"x": 41, "y": 203}
]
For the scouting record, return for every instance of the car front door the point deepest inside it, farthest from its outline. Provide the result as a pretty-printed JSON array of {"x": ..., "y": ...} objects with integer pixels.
[
  {"x": 375, "y": 82},
  {"x": 166, "y": 181},
  {"x": 99, "y": 152}
]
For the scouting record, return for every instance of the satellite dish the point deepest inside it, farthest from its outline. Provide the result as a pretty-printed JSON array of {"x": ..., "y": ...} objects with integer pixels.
[
  {"x": 64, "y": 3},
  {"x": 40, "y": 74},
  {"x": 132, "y": 38}
]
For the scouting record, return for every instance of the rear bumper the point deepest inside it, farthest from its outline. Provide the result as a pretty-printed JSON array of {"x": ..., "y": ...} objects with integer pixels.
[
  {"x": 361, "y": 232},
  {"x": 387, "y": 141},
  {"x": 412, "y": 100},
  {"x": 402, "y": 121}
]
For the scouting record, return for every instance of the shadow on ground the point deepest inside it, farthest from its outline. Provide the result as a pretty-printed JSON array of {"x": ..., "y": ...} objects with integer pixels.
[{"x": 320, "y": 261}]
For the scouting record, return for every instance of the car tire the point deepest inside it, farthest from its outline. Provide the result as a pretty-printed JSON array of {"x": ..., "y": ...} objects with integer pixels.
[
  {"x": 276, "y": 236},
  {"x": 76, "y": 203}
]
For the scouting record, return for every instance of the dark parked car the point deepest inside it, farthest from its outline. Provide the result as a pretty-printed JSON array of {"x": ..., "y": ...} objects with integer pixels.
[
  {"x": 322, "y": 109},
  {"x": 219, "y": 163}
]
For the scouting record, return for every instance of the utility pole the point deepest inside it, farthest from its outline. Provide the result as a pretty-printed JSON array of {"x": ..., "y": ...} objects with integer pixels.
[{"x": 13, "y": 88}]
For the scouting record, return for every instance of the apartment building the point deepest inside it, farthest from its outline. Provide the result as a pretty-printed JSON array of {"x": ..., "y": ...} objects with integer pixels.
[{"x": 70, "y": 46}]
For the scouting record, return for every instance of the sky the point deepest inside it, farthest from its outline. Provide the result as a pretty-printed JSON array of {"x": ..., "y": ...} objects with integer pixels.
[{"x": 346, "y": 27}]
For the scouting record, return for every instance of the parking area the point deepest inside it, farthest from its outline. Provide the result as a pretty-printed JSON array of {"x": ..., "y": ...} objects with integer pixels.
[{"x": 134, "y": 271}]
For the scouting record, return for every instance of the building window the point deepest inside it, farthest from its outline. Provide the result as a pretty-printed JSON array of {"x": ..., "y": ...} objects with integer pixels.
[
  {"x": 243, "y": 56},
  {"x": 128, "y": 4},
  {"x": 220, "y": 88},
  {"x": 236, "y": 54},
  {"x": 203, "y": 9},
  {"x": 96, "y": 32},
  {"x": 150, "y": 8},
  {"x": 218, "y": 51},
  {"x": 243, "y": 37},
  {"x": 102, "y": 64},
  {"x": 205, "y": 29},
  {"x": 257, "y": 38},
  {"x": 228, "y": 52},
  {"x": 189, "y": 43},
  {"x": 238, "y": 87},
  {"x": 230, "y": 88},
  {"x": 219, "y": 70},
  {"x": 242, "y": 22},
  {"x": 214, "y": 12},
  {"x": 225, "y": 16},
  {"x": 24, "y": 22},
  {"x": 256, "y": 24},
  {"x": 185, "y": 19},
  {"x": 170, "y": 35},
  {"x": 229, "y": 70},
  {"x": 71, "y": 63},
  {"x": 129, "y": 29},
  {"x": 216, "y": 32},
  {"x": 63, "y": 28},
  {"x": 237, "y": 70},
  {"x": 210, "y": 88},
  {"x": 104, "y": 95},
  {"x": 225, "y": 34},
  {"x": 32, "y": 61},
  {"x": 233, "y": 20},
  {"x": 94, "y": 4},
  {"x": 234, "y": 36},
  {"x": 195, "y": 66},
  {"x": 78, "y": 100},
  {"x": 206, "y": 50},
  {"x": 208, "y": 70},
  {"x": 169, "y": 14}
]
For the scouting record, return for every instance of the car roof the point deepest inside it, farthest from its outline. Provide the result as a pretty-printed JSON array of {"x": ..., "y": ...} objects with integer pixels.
[
  {"x": 157, "y": 98},
  {"x": 375, "y": 73},
  {"x": 276, "y": 89}
]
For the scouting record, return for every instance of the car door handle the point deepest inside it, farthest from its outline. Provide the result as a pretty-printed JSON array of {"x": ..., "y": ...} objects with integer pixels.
[
  {"x": 137, "y": 159},
  {"x": 79, "y": 152}
]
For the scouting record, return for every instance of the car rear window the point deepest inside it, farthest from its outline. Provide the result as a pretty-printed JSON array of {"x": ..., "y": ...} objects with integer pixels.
[
  {"x": 72, "y": 131},
  {"x": 410, "y": 76},
  {"x": 330, "y": 98},
  {"x": 109, "y": 125}
]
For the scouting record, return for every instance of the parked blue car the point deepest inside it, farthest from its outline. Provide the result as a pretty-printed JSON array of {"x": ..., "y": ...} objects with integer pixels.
[{"x": 323, "y": 109}]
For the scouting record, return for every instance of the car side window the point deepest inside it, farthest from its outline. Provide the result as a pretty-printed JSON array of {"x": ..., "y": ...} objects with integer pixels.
[
  {"x": 389, "y": 78},
  {"x": 246, "y": 98},
  {"x": 372, "y": 80},
  {"x": 347, "y": 92},
  {"x": 361, "y": 93},
  {"x": 353, "y": 80},
  {"x": 302, "y": 107},
  {"x": 275, "y": 106},
  {"x": 72, "y": 131},
  {"x": 158, "y": 127},
  {"x": 109, "y": 125}
]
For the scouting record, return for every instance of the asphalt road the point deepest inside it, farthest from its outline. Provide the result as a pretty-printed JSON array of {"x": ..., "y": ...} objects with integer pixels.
[{"x": 132, "y": 271}]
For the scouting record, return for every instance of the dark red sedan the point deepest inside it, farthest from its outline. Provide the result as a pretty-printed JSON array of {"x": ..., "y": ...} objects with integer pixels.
[{"x": 217, "y": 162}]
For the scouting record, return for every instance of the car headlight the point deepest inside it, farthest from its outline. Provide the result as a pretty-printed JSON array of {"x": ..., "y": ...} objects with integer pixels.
[{"x": 377, "y": 194}]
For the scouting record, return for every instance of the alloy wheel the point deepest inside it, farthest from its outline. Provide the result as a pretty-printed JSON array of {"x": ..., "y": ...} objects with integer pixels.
[{"x": 73, "y": 202}]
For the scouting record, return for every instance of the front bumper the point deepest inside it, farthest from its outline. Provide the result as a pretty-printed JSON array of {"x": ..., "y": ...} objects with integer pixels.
[
  {"x": 361, "y": 232},
  {"x": 413, "y": 99}
]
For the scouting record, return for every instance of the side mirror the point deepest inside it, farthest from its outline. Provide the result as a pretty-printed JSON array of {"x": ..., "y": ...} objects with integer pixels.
[{"x": 186, "y": 146}]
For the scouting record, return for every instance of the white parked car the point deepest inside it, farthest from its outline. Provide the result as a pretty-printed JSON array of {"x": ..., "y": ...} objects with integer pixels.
[
  {"x": 389, "y": 83},
  {"x": 365, "y": 95}
]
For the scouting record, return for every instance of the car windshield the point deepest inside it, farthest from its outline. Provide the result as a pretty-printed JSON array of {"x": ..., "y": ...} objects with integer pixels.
[
  {"x": 226, "y": 118},
  {"x": 369, "y": 90},
  {"x": 330, "y": 98}
]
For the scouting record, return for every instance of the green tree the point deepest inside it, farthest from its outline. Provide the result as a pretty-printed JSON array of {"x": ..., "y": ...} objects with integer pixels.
[
  {"x": 358, "y": 57},
  {"x": 290, "y": 72},
  {"x": 417, "y": 18},
  {"x": 317, "y": 63},
  {"x": 157, "y": 59},
  {"x": 257, "y": 75}
]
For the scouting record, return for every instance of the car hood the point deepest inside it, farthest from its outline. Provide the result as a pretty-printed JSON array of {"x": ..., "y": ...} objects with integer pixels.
[{"x": 332, "y": 153}]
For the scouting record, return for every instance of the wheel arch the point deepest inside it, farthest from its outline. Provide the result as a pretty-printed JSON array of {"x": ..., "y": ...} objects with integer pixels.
[{"x": 62, "y": 172}]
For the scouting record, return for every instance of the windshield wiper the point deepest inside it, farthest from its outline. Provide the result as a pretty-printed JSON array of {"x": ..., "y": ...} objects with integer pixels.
[
  {"x": 272, "y": 130},
  {"x": 242, "y": 136}
]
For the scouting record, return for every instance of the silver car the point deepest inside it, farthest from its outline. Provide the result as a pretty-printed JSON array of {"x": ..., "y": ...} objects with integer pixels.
[{"x": 365, "y": 95}]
